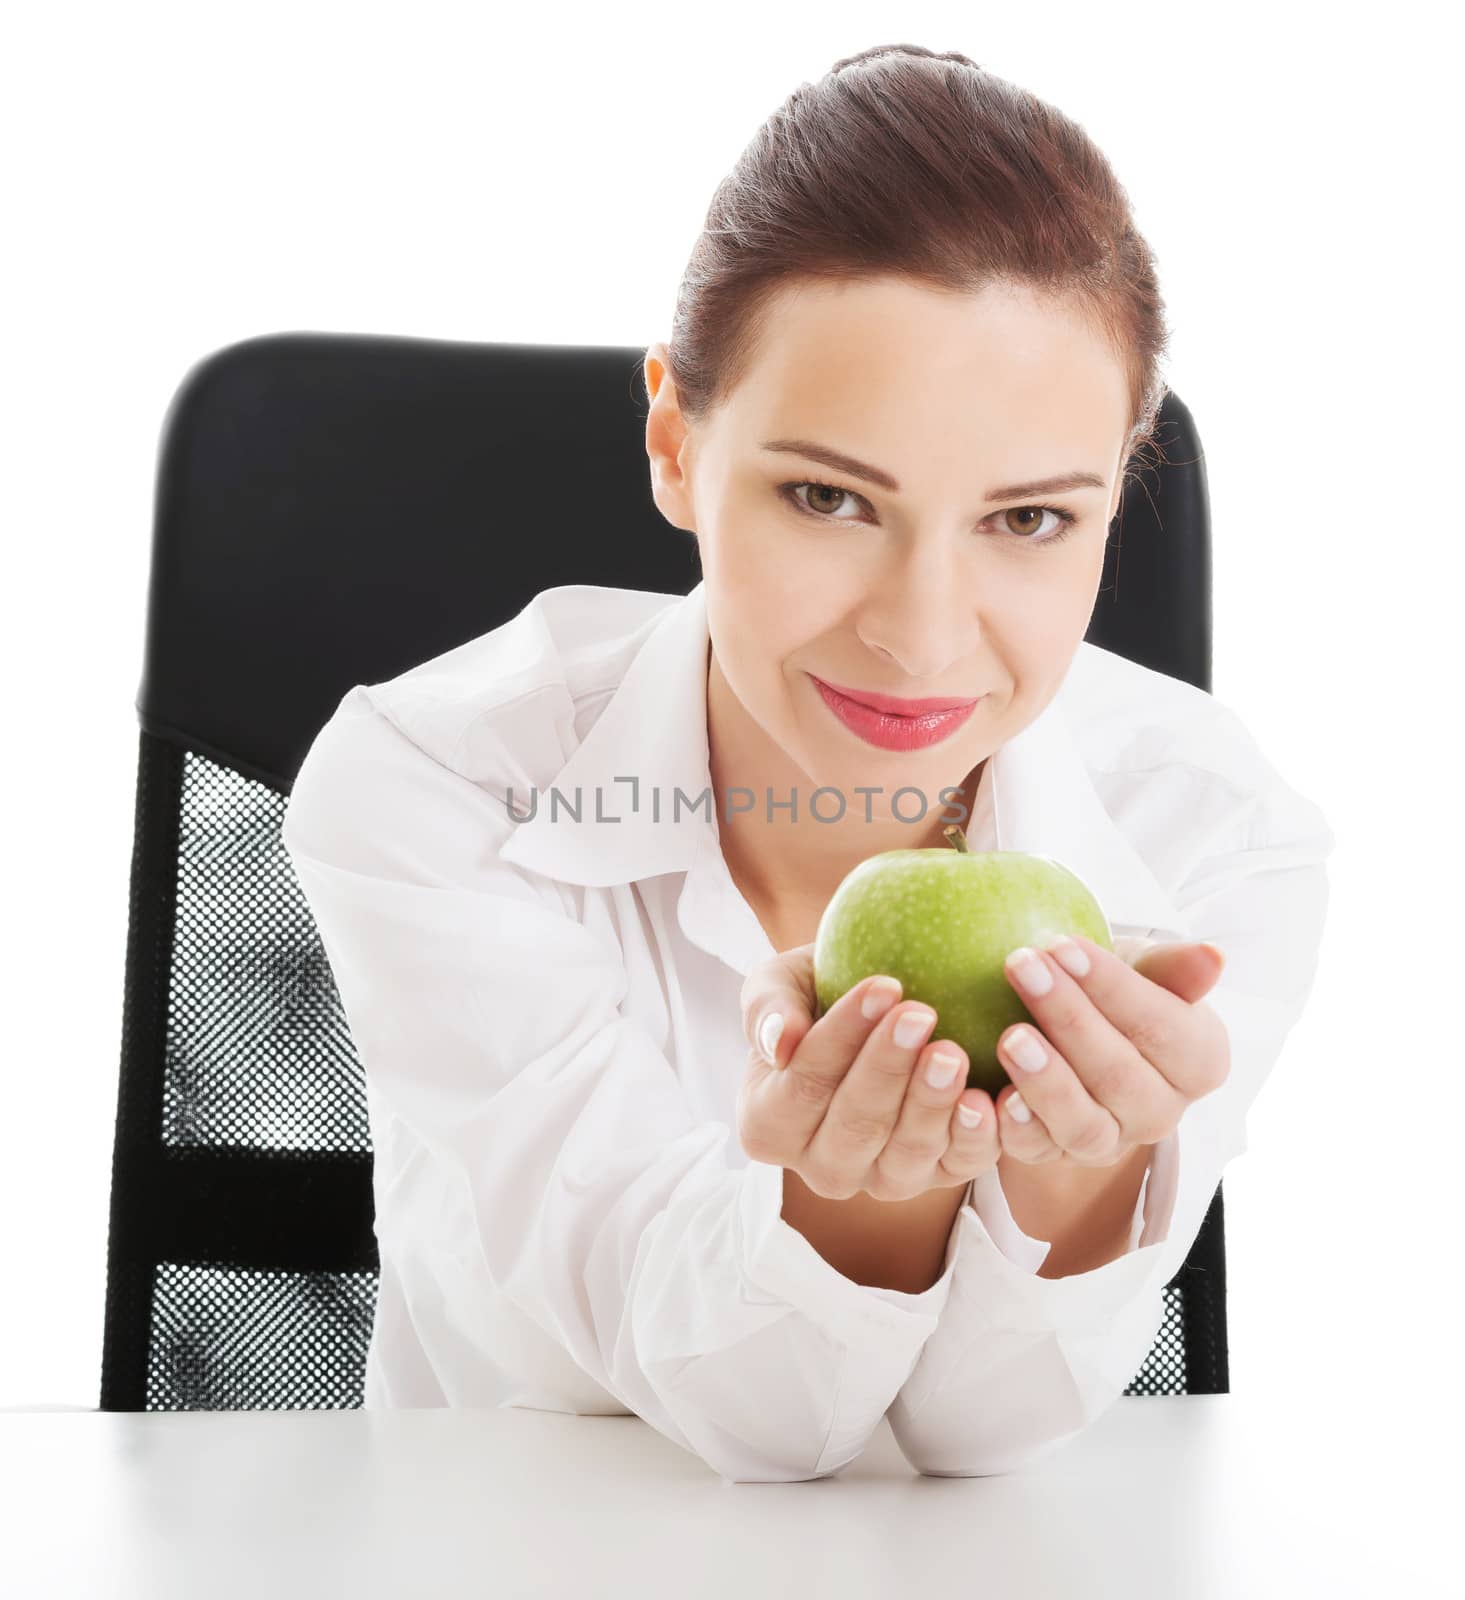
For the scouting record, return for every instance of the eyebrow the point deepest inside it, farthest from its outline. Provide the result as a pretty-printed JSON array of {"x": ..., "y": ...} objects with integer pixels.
[{"x": 861, "y": 469}]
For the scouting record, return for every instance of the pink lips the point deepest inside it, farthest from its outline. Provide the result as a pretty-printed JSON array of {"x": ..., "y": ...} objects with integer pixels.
[
  {"x": 892, "y": 724},
  {"x": 893, "y": 707}
]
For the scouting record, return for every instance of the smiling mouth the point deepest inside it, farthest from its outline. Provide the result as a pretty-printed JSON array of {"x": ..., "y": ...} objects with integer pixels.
[
  {"x": 887, "y": 730},
  {"x": 893, "y": 706}
]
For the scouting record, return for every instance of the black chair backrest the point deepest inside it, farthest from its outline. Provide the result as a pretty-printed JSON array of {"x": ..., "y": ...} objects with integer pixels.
[{"x": 332, "y": 510}]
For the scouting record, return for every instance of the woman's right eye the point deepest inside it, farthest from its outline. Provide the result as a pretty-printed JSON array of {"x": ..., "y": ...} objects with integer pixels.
[{"x": 831, "y": 491}]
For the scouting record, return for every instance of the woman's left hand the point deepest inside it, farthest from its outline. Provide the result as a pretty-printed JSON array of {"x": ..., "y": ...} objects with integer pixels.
[{"x": 1128, "y": 1049}]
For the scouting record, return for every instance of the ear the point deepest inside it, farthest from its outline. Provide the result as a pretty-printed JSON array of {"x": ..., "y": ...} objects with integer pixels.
[{"x": 666, "y": 434}]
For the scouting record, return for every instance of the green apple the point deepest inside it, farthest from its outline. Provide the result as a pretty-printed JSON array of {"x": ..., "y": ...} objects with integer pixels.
[{"x": 944, "y": 921}]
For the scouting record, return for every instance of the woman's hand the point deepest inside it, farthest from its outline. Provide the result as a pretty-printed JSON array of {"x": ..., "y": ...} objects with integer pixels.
[
  {"x": 843, "y": 1102},
  {"x": 1128, "y": 1048}
]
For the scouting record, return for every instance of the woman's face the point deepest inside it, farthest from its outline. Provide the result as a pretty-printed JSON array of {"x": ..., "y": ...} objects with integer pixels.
[{"x": 938, "y": 581}]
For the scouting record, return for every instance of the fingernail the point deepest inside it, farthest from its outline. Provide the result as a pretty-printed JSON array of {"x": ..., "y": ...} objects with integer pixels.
[
  {"x": 913, "y": 1028},
  {"x": 941, "y": 1069},
  {"x": 768, "y": 1034},
  {"x": 1027, "y": 1050},
  {"x": 970, "y": 1116},
  {"x": 879, "y": 997},
  {"x": 1070, "y": 956},
  {"x": 1018, "y": 1108},
  {"x": 1028, "y": 968}
]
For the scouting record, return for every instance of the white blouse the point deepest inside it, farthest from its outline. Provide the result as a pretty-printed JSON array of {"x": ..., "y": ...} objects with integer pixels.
[{"x": 547, "y": 1015}]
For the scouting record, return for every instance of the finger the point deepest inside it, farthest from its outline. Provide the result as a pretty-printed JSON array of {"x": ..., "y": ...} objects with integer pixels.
[
  {"x": 1023, "y": 1134},
  {"x": 1161, "y": 1025},
  {"x": 1129, "y": 947},
  {"x": 823, "y": 1060},
  {"x": 1188, "y": 971},
  {"x": 1103, "y": 1063},
  {"x": 867, "y": 1102},
  {"x": 778, "y": 1001},
  {"x": 1201, "y": 966},
  {"x": 1063, "y": 1112},
  {"x": 922, "y": 1130},
  {"x": 971, "y": 1150}
]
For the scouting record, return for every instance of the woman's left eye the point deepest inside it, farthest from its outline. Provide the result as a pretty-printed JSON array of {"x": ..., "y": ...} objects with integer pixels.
[{"x": 1064, "y": 519}]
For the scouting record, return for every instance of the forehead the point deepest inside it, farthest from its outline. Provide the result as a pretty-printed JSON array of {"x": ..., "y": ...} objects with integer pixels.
[{"x": 883, "y": 358}]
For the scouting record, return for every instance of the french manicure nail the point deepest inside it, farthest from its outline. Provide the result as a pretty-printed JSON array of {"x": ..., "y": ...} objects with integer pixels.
[
  {"x": 913, "y": 1028},
  {"x": 1028, "y": 968},
  {"x": 1071, "y": 956},
  {"x": 941, "y": 1069},
  {"x": 878, "y": 998},
  {"x": 1027, "y": 1050}
]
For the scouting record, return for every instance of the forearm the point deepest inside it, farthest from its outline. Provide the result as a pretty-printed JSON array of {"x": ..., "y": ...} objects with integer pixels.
[
  {"x": 882, "y": 1244},
  {"x": 1085, "y": 1212}
]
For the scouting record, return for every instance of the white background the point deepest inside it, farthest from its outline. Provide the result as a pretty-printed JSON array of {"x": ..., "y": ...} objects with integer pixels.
[{"x": 179, "y": 177}]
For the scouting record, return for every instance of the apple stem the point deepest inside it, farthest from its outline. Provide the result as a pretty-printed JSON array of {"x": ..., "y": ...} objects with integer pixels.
[{"x": 956, "y": 839}]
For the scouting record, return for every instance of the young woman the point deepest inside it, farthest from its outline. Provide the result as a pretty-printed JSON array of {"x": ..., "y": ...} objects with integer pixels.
[{"x": 567, "y": 875}]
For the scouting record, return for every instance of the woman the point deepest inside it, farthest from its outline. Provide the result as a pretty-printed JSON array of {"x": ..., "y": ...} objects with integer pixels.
[{"x": 567, "y": 874}]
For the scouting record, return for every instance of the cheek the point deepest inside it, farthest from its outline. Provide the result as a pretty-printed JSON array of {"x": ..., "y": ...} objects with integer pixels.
[
  {"x": 768, "y": 641},
  {"x": 1053, "y": 596},
  {"x": 785, "y": 589}
]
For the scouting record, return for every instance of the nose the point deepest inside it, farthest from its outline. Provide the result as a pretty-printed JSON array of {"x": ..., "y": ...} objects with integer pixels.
[{"x": 921, "y": 620}]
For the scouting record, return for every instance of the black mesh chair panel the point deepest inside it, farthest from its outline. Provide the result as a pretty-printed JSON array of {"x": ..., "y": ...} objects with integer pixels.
[{"x": 331, "y": 510}]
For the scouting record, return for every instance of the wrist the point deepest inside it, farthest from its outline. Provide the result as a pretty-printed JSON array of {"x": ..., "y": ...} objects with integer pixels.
[
  {"x": 1085, "y": 1213},
  {"x": 882, "y": 1244}
]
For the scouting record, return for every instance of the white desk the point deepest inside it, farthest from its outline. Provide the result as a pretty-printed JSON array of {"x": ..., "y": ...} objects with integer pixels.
[{"x": 1179, "y": 1497}]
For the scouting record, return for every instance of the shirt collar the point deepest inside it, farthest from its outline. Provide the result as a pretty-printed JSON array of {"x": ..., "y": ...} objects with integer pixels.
[{"x": 654, "y": 729}]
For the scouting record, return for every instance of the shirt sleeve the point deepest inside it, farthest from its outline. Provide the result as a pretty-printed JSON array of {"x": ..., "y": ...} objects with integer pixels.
[
  {"x": 490, "y": 1021},
  {"x": 1020, "y": 1364}
]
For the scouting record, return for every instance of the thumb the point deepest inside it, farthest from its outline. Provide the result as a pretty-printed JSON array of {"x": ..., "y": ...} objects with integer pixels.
[
  {"x": 779, "y": 1001},
  {"x": 1189, "y": 970}
]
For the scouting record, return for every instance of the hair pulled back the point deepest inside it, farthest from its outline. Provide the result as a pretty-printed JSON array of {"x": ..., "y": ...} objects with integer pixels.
[{"x": 903, "y": 162}]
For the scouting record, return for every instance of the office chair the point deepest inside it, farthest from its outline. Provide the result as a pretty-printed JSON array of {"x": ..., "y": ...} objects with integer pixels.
[{"x": 332, "y": 510}]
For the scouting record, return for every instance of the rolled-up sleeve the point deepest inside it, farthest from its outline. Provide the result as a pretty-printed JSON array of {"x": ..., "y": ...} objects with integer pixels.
[
  {"x": 489, "y": 1019},
  {"x": 1020, "y": 1364}
]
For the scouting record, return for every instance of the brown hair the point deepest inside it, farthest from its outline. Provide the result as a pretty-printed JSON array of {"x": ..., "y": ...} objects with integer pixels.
[{"x": 903, "y": 162}]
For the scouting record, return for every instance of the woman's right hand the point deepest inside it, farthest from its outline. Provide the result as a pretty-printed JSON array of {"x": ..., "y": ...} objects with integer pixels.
[{"x": 843, "y": 1103}]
